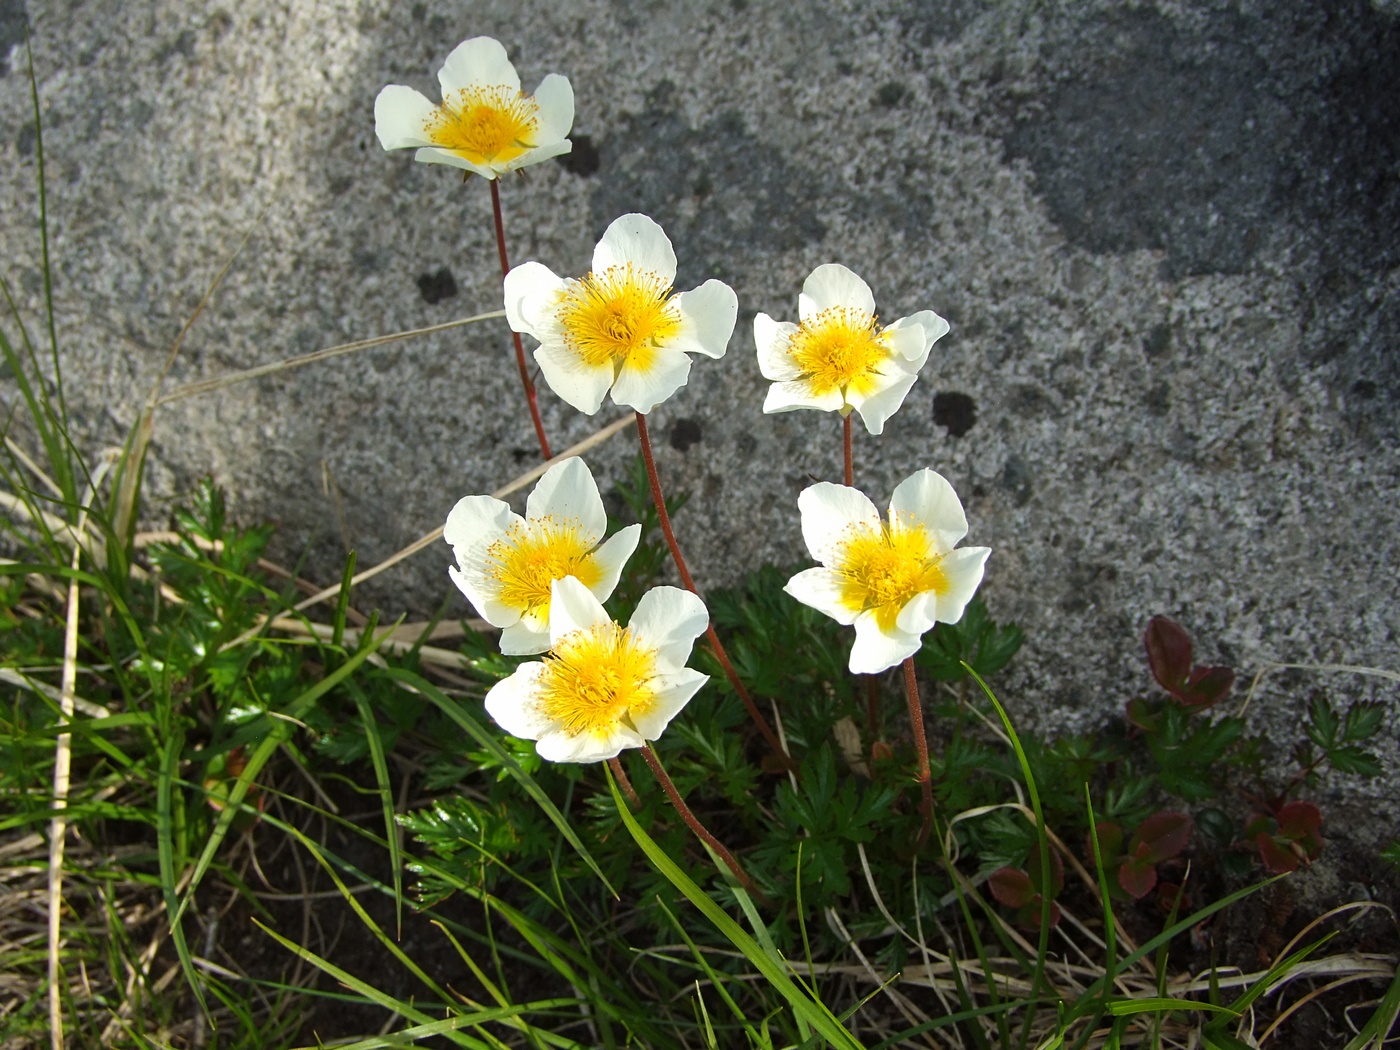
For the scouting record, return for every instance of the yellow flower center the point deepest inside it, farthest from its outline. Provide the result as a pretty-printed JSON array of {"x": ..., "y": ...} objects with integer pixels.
[
  {"x": 532, "y": 555},
  {"x": 485, "y": 125},
  {"x": 597, "y": 678},
  {"x": 618, "y": 317},
  {"x": 883, "y": 568},
  {"x": 839, "y": 349}
]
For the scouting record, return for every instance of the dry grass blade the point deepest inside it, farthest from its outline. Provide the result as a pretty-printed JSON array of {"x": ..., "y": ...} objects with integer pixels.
[
  {"x": 206, "y": 386},
  {"x": 514, "y": 485}
]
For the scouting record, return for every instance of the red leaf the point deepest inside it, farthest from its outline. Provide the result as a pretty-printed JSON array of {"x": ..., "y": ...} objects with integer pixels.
[
  {"x": 1298, "y": 820},
  {"x": 1029, "y": 916},
  {"x": 1165, "y": 834},
  {"x": 1012, "y": 887},
  {"x": 1168, "y": 652},
  {"x": 1205, "y": 686},
  {"x": 1137, "y": 878},
  {"x": 1276, "y": 858}
]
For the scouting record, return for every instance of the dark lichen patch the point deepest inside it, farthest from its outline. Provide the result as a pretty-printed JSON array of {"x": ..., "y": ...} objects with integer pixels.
[
  {"x": 711, "y": 188},
  {"x": 1158, "y": 399},
  {"x": 1157, "y": 342},
  {"x": 930, "y": 20},
  {"x": 684, "y": 433},
  {"x": 954, "y": 411},
  {"x": 583, "y": 159},
  {"x": 13, "y": 20},
  {"x": 1211, "y": 137},
  {"x": 1015, "y": 478},
  {"x": 437, "y": 286},
  {"x": 891, "y": 95}
]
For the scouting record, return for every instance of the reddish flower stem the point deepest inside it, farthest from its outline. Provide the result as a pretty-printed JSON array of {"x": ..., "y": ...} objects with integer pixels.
[
  {"x": 525, "y": 380},
  {"x": 850, "y": 465},
  {"x": 715, "y": 645},
  {"x": 675, "y": 796},
  {"x": 916, "y": 718},
  {"x": 624, "y": 782}
]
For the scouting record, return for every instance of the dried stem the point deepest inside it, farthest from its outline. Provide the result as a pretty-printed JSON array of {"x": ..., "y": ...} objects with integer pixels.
[
  {"x": 624, "y": 782},
  {"x": 715, "y": 644},
  {"x": 525, "y": 380},
  {"x": 916, "y": 718},
  {"x": 690, "y": 818}
]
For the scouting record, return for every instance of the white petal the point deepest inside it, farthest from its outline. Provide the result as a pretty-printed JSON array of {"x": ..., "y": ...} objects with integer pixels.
[
  {"x": 883, "y": 401},
  {"x": 772, "y": 338},
  {"x": 935, "y": 328},
  {"x": 572, "y": 607},
  {"x": 876, "y": 650},
  {"x": 524, "y": 638},
  {"x": 963, "y": 570},
  {"x": 452, "y": 160},
  {"x": 821, "y": 589},
  {"x": 574, "y": 381},
  {"x": 644, "y": 390},
  {"x": 568, "y": 493},
  {"x": 531, "y": 294},
  {"x": 828, "y": 513},
  {"x": 669, "y": 620},
  {"x": 478, "y": 521},
  {"x": 672, "y": 692},
  {"x": 907, "y": 343},
  {"x": 514, "y": 703},
  {"x": 401, "y": 116},
  {"x": 585, "y": 747},
  {"x": 832, "y": 285},
  {"x": 785, "y": 397},
  {"x": 555, "y": 97},
  {"x": 474, "y": 524},
  {"x": 611, "y": 556},
  {"x": 926, "y": 500},
  {"x": 708, "y": 314},
  {"x": 476, "y": 587},
  {"x": 636, "y": 239},
  {"x": 533, "y": 156},
  {"x": 919, "y": 613},
  {"x": 480, "y": 60}
]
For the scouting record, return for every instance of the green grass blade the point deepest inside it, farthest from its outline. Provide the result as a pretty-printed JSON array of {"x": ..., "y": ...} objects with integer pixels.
[
  {"x": 1042, "y": 840},
  {"x": 1163, "y": 1004},
  {"x": 368, "y": 991},
  {"x": 816, "y": 1014},
  {"x": 386, "y": 795},
  {"x": 1376, "y": 1031},
  {"x": 281, "y": 729},
  {"x": 477, "y": 732}
]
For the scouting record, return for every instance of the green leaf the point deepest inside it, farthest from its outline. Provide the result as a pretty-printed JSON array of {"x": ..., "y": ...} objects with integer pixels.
[
  {"x": 1155, "y": 1004},
  {"x": 1363, "y": 720},
  {"x": 1322, "y": 722}
]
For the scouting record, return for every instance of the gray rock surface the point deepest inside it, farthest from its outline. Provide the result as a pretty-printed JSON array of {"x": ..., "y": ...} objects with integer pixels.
[{"x": 1165, "y": 235}]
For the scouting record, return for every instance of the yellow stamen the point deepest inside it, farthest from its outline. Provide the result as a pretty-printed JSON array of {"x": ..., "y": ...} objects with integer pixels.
[
  {"x": 839, "y": 349},
  {"x": 485, "y": 125},
  {"x": 883, "y": 568},
  {"x": 619, "y": 317},
  {"x": 533, "y": 554},
  {"x": 596, "y": 679}
]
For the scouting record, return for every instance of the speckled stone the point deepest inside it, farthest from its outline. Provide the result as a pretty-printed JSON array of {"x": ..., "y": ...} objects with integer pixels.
[{"x": 1165, "y": 235}]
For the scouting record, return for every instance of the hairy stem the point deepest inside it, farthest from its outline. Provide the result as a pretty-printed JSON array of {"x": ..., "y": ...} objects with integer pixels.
[
  {"x": 690, "y": 818},
  {"x": 715, "y": 644},
  {"x": 916, "y": 718},
  {"x": 525, "y": 380}
]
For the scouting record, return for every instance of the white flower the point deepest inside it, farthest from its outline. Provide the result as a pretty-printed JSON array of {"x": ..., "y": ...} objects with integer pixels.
[
  {"x": 506, "y": 564},
  {"x": 484, "y": 123},
  {"x": 603, "y": 687},
  {"x": 620, "y": 327},
  {"x": 839, "y": 357},
  {"x": 893, "y": 579}
]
